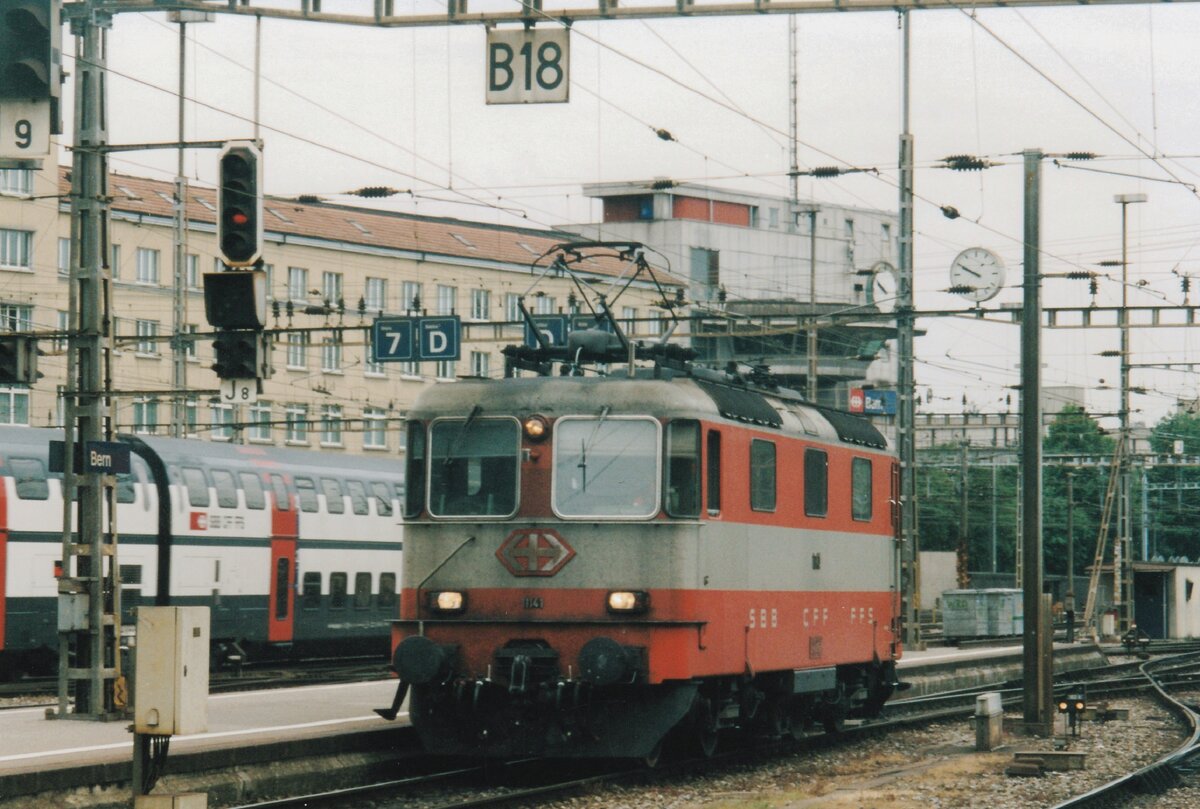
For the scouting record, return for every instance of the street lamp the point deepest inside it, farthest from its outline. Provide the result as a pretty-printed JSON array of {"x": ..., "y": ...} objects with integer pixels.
[{"x": 1122, "y": 584}]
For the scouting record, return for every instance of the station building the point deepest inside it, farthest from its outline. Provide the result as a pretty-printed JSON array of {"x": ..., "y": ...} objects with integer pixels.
[{"x": 328, "y": 265}]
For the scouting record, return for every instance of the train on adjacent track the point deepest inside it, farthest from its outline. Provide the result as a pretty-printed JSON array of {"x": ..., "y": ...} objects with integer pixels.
[
  {"x": 297, "y": 553},
  {"x": 596, "y": 564}
]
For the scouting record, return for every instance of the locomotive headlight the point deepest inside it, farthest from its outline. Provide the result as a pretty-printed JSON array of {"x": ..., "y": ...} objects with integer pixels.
[
  {"x": 536, "y": 428},
  {"x": 450, "y": 602},
  {"x": 629, "y": 602}
]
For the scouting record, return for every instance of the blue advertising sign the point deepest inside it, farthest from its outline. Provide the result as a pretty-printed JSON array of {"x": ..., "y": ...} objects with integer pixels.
[
  {"x": 439, "y": 338},
  {"x": 880, "y": 402},
  {"x": 553, "y": 329},
  {"x": 392, "y": 340}
]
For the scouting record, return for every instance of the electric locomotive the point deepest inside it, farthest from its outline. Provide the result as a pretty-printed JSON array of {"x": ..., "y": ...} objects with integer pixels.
[{"x": 592, "y": 562}]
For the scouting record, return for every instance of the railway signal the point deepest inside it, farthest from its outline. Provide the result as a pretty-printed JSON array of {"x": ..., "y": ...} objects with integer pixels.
[
  {"x": 239, "y": 203},
  {"x": 18, "y": 359},
  {"x": 239, "y": 354},
  {"x": 1073, "y": 704}
]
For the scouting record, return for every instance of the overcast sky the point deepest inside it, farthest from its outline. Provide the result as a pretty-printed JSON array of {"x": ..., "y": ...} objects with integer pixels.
[{"x": 344, "y": 107}]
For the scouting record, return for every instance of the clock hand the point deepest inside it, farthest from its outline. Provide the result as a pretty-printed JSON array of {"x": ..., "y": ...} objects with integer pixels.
[{"x": 972, "y": 272}]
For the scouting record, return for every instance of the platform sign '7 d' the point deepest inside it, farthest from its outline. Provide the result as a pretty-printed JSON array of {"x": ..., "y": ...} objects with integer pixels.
[
  {"x": 392, "y": 340},
  {"x": 528, "y": 65}
]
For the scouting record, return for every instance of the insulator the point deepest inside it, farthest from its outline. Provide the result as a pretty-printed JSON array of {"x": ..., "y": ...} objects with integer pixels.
[
  {"x": 1080, "y": 156},
  {"x": 664, "y": 134},
  {"x": 1093, "y": 286},
  {"x": 826, "y": 171},
  {"x": 1079, "y": 275},
  {"x": 374, "y": 191}
]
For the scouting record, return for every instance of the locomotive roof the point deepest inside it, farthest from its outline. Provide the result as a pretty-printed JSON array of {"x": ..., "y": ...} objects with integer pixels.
[{"x": 684, "y": 397}]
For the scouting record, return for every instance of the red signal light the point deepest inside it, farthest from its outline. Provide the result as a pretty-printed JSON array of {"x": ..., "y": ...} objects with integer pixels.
[{"x": 239, "y": 218}]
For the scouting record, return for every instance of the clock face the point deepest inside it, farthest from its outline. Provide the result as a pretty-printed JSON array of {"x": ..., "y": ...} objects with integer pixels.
[
  {"x": 883, "y": 287},
  {"x": 977, "y": 274}
]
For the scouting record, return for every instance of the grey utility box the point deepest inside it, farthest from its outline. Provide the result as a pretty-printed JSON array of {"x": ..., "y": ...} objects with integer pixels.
[
  {"x": 170, "y": 686},
  {"x": 993, "y": 613}
]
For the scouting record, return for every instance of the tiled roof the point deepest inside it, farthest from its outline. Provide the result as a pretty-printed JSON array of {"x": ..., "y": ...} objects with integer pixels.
[{"x": 360, "y": 226}]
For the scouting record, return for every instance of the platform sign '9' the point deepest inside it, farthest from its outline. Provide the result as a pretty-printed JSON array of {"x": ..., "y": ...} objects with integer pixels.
[
  {"x": 528, "y": 66},
  {"x": 24, "y": 128}
]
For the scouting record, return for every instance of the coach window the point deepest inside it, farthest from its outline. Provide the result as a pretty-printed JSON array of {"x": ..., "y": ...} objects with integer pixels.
[
  {"x": 197, "y": 486},
  {"x": 816, "y": 483},
  {"x": 358, "y": 497},
  {"x": 337, "y": 591},
  {"x": 473, "y": 467},
  {"x": 226, "y": 488},
  {"x": 606, "y": 467},
  {"x": 125, "y": 489},
  {"x": 714, "y": 472},
  {"x": 334, "y": 502},
  {"x": 283, "y": 501},
  {"x": 306, "y": 490},
  {"x": 253, "y": 488},
  {"x": 683, "y": 468},
  {"x": 762, "y": 475},
  {"x": 282, "y": 577},
  {"x": 362, "y": 591},
  {"x": 860, "y": 485},
  {"x": 414, "y": 500},
  {"x": 387, "y": 590},
  {"x": 312, "y": 591},
  {"x": 30, "y": 477},
  {"x": 383, "y": 499}
]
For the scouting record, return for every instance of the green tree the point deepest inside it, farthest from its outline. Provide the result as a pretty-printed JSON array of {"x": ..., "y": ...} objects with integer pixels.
[
  {"x": 1174, "y": 512},
  {"x": 1074, "y": 432}
]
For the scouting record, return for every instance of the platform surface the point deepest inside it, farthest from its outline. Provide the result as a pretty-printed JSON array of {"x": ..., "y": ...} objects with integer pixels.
[{"x": 30, "y": 742}]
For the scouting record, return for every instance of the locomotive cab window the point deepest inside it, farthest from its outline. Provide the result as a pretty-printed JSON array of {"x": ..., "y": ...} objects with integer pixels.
[
  {"x": 816, "y": 483},
  {"x": 473, "y": 465},
  {"x": 713, "y": 492},
  {"x": 414, "y": 473},
  {"x": 860, "y": 489},
  {"x": 606, "y": 467},
  {"x": 762, "y": 475},
  {"x": 683, "y": 468}
]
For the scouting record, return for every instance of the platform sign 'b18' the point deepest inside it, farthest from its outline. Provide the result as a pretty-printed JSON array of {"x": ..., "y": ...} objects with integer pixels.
[{"x": 528, "y": 66}]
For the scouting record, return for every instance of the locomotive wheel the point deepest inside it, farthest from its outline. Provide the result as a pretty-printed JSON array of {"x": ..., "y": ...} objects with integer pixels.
[
  {"x": 833, "y": 722},
  {"x": 651, "y": 759},
  {"x": 706, "y": 728}
]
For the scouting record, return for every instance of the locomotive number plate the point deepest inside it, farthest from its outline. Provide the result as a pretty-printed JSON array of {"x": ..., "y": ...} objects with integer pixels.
[{"x": 532, "y": 602}]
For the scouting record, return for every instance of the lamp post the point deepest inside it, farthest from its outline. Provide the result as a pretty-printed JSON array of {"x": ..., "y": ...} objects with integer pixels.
[{"x": 1122, "y": 563}]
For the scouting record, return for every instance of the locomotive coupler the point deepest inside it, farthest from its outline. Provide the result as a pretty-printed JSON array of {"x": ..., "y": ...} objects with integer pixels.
[{"x": 518, "y": 679}]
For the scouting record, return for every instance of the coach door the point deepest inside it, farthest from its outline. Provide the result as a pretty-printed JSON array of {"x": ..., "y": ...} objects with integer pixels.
[
  {"x": 281, "y": 624},
  {"x": 3, "y": 557}
]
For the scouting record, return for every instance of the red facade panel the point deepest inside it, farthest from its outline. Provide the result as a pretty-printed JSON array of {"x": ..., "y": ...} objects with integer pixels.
[
  {"x": 731, "y": 213},
  {"x": 690, "y": 208},
  {"x": 622, "y": 209},
  {"x": 704, "y": 210}
]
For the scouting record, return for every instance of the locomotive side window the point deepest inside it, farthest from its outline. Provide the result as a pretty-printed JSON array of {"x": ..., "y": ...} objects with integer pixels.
[
  {"x": 861, "y": 500},
  {"x": 312, "y": 591},
  {"x": 307, "y": 492},
  {"x": 332, "y": 489},
  {"x": 473, "y": 467},
  {"x": 387, "y": 589},
  {"x": 383, "y": 500},
  {"x": 279, "y": 486},
  {"x": 358, "y": 497},
  {"x": 337, "y": 591},
  {"x": 683, "y": 468},
  {"x": 30, "y": 478},
  {"x": 606, "y": 467},
  {"x": 414, "y": 475},
  {"x": 256, "y": 498},
  {"x": 362, "y": 591},
  {"x": 816, "y": 483},
  {"x": 762, "y": 475},
  {"x": 226, "y": 488},
  {"x": 197, "y": 486},
  {"x": 714, "y": 472}
]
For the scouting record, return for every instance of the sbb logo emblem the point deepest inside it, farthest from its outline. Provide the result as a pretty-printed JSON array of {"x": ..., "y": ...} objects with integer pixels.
[
  {"x": 199, "y": 521},
  {"x": 534, "y": 552}
]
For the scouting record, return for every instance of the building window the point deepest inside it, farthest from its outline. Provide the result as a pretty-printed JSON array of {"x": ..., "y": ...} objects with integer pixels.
[
  {"x": 545, "y": 305},
  {"x": 16, "y": 181},
  {"x": 188, "y": 335},
  {"x": 848, "y": 229},
  {"x": 331, "y": 354},
  {"x": 480, "y": 363},
  {"x": 297, "y": 350},
  {"x": 412, "y": 370},
  {"x": 14, "y": 405},
  {"x": 375, "y": 298},
  {"x": 297, "y": 284},
  {"x": 63, "y": 327},
  {"x": 145, "y": 416},
  {"x": 481, "y": 304},
  {"x": 147, "y": 265},
  {"x": 64, "y": 256},
  {"x": 410, "y": 297},
  {"x": 331, "y": 426},
  {"x": 445, "y": 369},
  {"x": 374, "y": 428},
  {"x": 15, "y": 317},
  {"x": 370, "y": 367},
  {"x": 296, "y": 424},
  {"x": 705, "y": 271},
  {"x": 773, "y": 217},
  {"x": 260, "y": 421},
  {"x": 15, "y": 249},
  {"x": 191, "y": 271},
  {"x": 222, "y": 421},
  {"x": 147, "y": 330},
  {"x": 191, "y": 417},
  {"x": 447, "y": 299},
  {"x": 114, "y": 261},
  {"x": 629, "y": 315},
  {"x": 331, "y": 288},
  {"x": 512, "y": 307}
]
